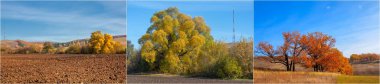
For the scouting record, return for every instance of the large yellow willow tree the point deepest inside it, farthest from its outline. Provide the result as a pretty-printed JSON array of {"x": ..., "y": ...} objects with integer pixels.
[{"x": 173, "y": 41}]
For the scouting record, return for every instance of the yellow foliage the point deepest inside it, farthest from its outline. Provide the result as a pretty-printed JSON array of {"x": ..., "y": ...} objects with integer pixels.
[
  {"x": 160, "y": 37},
  {"x": 154, "y": 19},
  {"x": 148, "y": 54},
  {"x": 167, "y": 25},
  {"x": 179, "y": 45},
  {"x": 243, "y": 51},
  {"x": 173, "y": 35},
  {"x": 108, "y": 46},
  {"x": 170, "y": 63},
  {"x": 201, "y": 25},
  {"x": 197, "y": 41},
  {"x": 119, "y": 49},
  {"x": 97, "y": 40},
  {"x": 144, "y": 38},
  {"x": 187, "y": 26},
  {"x": 103, "y": 44}
]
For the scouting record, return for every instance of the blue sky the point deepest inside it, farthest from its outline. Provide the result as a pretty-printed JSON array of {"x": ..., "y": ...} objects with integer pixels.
[
  {"x": 355, "y": 25},
  {"x": 217, "y": 14},
  {"x": 61, "y": 21}
]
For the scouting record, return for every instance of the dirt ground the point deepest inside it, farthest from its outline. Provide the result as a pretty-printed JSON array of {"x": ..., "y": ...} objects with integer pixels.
[
  {"x": 180, "y": 79},
  {"x": 62, "y": 68}
]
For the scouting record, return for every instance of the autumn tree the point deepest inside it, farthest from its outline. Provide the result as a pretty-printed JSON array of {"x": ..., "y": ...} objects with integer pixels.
[
  {"x": 97, "y": 41},
  {"x": 289, "y": 54},
  {"x": 104, "y": 44},
  {"x": 48, "y": 48},
  {"x": 172, "y": 37},
  {"x": 312, "y": 50},
  {"x": 108, "y": 45},
  {"x": 243, "y": 52},
  {"x": 334, "y": 61},
  {"x": 317, "y": 45}
]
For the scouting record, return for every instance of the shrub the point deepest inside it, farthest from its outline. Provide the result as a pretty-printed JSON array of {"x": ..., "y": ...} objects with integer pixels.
[
  {"x": 119, "y": 49},
  {"x": 74, "y": 49},
  {"x": 243, "y": 52},
  {"x": 6, "y": 50},
  {"x": 228, "y": 68},
  {"x": 48, "y": 48},
  {"x": 86, "y": 49},
  {"x": 33, "y": 48},
  {"x": 61, "y": 50}
]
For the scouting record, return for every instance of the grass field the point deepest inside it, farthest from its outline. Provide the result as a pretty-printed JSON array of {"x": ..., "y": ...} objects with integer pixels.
[
  {"x": 293, "y": 77},
  {"x": 266, "y": 72},
  {"x": 358, "y": 79}
]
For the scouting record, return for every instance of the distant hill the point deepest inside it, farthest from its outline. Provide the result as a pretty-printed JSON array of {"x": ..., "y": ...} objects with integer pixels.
[
  {"x": 14, "y": 44},
  {"x": 263, "y": 63}
]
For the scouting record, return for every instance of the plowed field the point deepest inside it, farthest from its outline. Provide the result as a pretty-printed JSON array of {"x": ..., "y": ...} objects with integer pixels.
[{"x": 62, "y": 68}]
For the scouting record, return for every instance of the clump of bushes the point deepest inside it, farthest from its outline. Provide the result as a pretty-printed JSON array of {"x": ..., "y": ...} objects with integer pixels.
[
  {"x": 228, "y": 68},
  {"x": 98, "y": 44}
]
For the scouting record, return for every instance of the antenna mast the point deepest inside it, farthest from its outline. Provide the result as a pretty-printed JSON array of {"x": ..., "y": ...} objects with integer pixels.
[{"x": 233, "y": 24}]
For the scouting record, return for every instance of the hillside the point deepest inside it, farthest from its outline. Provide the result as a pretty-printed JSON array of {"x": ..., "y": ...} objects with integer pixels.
[
  {"x": 368, "y": 68},
  {"x": 15, "y": 44}
]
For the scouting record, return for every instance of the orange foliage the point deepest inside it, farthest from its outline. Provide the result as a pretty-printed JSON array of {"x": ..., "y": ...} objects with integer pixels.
[
  {"x": 312, "y": 50},
  {"x": 334, "y": 61}
]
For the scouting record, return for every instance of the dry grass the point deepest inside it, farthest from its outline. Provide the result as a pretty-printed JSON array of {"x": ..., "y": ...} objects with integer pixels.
[
  {"x": 366, "y": 69},
  {"x": 266, "y": 72},
  {"x": 294, "y": 77},
  {"x": 358, "y": 79}
]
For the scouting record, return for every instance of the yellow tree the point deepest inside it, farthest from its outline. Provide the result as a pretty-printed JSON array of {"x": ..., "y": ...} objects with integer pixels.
[
  {"x": 173, "y": 35},
  {"x": 97, "y": 41},
  {"x": 108, "y": 46}
]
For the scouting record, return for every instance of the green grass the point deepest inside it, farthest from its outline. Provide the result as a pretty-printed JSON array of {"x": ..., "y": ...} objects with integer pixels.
[{"x": 357, "y": 79}]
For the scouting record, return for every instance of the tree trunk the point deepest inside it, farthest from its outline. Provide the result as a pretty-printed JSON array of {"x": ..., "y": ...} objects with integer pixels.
[
  {"x": 287, "y": 63},
  {"x": 294, "y": 66},
  {"x": 316, "y": 68}
]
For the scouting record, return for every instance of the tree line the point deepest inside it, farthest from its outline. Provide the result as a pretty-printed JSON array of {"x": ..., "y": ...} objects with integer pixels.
[
  {"x": 97, "y": 44},
  {"x": 364, "y": 58},
  {"x": 176, "y": 43},
  {"x": 314, "y": 50}
]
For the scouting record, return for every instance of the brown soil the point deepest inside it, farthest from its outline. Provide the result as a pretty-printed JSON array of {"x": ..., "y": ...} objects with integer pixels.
[{"x": 62, "y": 68}]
